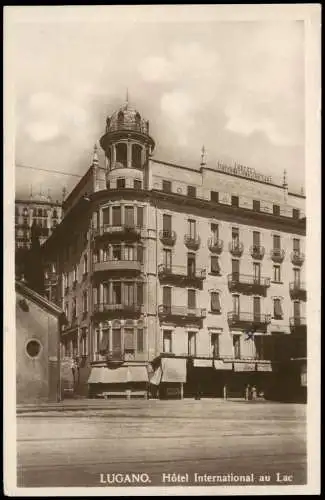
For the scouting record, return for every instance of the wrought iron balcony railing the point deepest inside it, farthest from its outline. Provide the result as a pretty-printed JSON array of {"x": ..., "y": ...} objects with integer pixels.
[
  {"x": 167, "y": 237},
  {"x": 116, "y": 266},
  {"x": 108, "y": 309},
  {"x": 257, "y": 252},
  {"x": 297, "y": 258},
  {"x": 215, "y": 245},
  {"x": 248, "y": 320},
  {"x": 277, "y": 255},
  {"x": 121, "y": 230},
  {"x": 180, "y": 273},
  {"x": 236, "y": 248},
  {"x": 181, "y": 311},
  {"x": 248, "y": 283},
  {"x": 192, "y": 241},
  {"x": 297, "y": 290},
  {"x": 297, "y": 321}
]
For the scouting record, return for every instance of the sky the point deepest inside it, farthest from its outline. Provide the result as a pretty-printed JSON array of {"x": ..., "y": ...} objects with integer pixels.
[{"x": 235, "y": 87}]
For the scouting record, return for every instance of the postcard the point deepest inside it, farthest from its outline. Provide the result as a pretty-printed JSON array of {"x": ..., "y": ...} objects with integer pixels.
[{"x": 162, "y": 250}]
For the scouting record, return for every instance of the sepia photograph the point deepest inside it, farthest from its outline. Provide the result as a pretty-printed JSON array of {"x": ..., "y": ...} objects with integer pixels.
[{"x": 162, "y": 256}]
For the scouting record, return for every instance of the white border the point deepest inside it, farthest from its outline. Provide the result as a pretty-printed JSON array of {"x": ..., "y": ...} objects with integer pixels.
[{"x": 311, "y": 14}]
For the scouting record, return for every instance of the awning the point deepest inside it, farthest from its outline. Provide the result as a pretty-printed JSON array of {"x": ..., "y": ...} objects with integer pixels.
[
  {"x": 137, "y": 374},
  {"x": 121, "y": 375},
  {"x": 244, "y": 367},
  {"x": 173, "y": 370},
  {"x": 203, "y": 363},
  {"x": 155, "y": 377},
  {"x": 219, "y": 364}
]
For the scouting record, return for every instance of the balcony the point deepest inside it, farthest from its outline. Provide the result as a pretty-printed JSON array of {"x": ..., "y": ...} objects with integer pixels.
[
  {"x": 192, "y": 242},
  {"x": 167, "y": 237},
  {"x": 118, "y": 267},
  {"x": 236, "y": 248},
  {"x": 129, "y": 232},
  {"x": 114, "y": 356},
  {"x": 181, "y": 313},
  {"x": 105, "y": 310},
  {"x": 257, "y": 252},
  {"x": 298, "y": 325},
  {"x": 215, "y": 245},
  {"x": 249, "y": 321},
  {"x": 277, "y": 255},
  {"x": 298, "y": 290},
  {"x": 297, "y": 258},
  {"x": 181, "y": 275},
  {"x": 244, "y": 283}
]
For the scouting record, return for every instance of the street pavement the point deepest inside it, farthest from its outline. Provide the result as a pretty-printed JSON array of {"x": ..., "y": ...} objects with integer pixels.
[{"x": 212, "y": 437}]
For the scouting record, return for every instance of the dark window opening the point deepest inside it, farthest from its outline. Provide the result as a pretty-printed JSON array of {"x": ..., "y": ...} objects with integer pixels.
[
  {"x": 235, "y": 201},
  {"x": 191, "y": 191},
  {"x": 256, "y": 205},
  {"x": 136, "y": 155},
  {"x": 120, "y": 183},
  {"x": 33, "y": 348},
  {"x": 214, "y": 196},
  {"x": 121, "y": 153},
  {"x": 276, "y": 210},
  {"x": 137, "y": 184},
  {"x": 167, "y": 186},
  {"x": 295, "y": 213}
]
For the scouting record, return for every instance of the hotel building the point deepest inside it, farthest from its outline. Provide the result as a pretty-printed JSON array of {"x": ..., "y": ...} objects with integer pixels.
[{"x": 178, "y": 281}]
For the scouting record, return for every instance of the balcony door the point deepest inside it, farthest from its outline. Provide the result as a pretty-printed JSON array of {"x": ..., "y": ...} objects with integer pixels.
[
  {"x": 256, "y": 239},
  {"x": 257, "y": 272},
  {"x": 167, "y": 259},
  {"x": 276, "y": 242},
  {"x": 257, "y": 309},
  {"x": 296, "y": 312},
  {"x": 129, "y": 299},
  {"x": 167, "y": 224},
  {"x": 116, "y": 340},
  {"x": 236, "y": 306},
  {"x": 167, "y": 298},
  {"x": 191, "y": 265},
  {"x": 296, "y": 246},
  {"x": 235, "y": 269},
  {"x": 129, "y": 216},
  {"x": 215, "y": 232},
  {"x": 191, "y": 224},
  {"x": 296, "y": 277},
  {"x": 235, "y": 237}
]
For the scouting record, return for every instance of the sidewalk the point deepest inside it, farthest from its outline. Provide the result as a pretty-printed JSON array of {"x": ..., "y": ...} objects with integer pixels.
[{"x": 84, "y": 404}]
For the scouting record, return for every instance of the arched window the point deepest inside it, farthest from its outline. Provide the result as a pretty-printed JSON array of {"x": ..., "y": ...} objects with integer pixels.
[
  {"x": 40, "y": 212},
  {"x": 120, "y": 119},
  {"x": 121, "y": 153},
  {"x": 55, "y": 213},
  {"x": 138, "y": 121},
  {"x": 136, "y": 156}
]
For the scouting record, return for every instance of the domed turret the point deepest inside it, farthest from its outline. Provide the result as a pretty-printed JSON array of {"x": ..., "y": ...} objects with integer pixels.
[{"x": 126, "y": 142}]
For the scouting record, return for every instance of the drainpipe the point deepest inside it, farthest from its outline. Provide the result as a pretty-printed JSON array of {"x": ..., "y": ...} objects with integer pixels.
[
  {"x": 58, "y": 393},
  {"x": 157, "y": 316}
]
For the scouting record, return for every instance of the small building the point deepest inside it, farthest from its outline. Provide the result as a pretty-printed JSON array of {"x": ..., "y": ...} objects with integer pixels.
[{"x": 38, "y": 327}]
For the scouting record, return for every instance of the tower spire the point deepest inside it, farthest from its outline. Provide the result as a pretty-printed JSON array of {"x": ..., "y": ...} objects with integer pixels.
[
  {"x": 95, "y": 155},
  {"x": 203, "y": 156},
  {"x": 285, "y": 181}
]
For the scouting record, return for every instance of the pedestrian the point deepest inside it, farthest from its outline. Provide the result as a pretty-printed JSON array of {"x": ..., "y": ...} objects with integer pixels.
[{"x": 254, "y": 392}]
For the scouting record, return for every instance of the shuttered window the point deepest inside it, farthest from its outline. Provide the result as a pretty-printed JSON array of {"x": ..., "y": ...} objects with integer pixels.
[
  {"x": 116, "y": 216},
  {"x": 129, "y": 216},
  {"x": 140, "y": 216},
  {"x": 191, "y": 299},
  {"x": 140, "y": 340},
  {"x": 277, "y": 309},
  {"x": 116, "y": 339},
  {"x": 215, "y": 302},
  {"x": 104, "y": 345},
  {"x": 140, "y": 294},
  {"x": 129, "y": 339},
  {"x": 105, "y": 216},
  {"x": 215, "y": 266}
]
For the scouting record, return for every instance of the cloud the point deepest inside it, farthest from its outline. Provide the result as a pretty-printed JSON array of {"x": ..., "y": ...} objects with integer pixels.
[
  {"x": 49, "y": 115},
  {"x": 156, "y": 69}
]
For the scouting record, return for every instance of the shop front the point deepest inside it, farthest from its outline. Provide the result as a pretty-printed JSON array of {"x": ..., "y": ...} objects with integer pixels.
[{"x": 126, "y": 381}]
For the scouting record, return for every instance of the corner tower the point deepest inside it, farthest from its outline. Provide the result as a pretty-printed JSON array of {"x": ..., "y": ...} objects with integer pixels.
[{"x": 127, "y": 146}]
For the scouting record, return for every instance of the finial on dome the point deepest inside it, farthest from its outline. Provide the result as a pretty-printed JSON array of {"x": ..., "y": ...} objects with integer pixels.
[
  {"x": 64, "y": 193},
  {"x": 127, "y": 96},
  {"x": 31, "y": 191},
  {"x": 203, "y": 156}
]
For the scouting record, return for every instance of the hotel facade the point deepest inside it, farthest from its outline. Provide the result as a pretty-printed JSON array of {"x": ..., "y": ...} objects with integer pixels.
[{"x": 180, "y": 282}]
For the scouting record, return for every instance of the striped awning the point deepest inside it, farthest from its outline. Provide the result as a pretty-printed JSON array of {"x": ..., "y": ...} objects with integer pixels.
[{"x": 121, "y": 375}]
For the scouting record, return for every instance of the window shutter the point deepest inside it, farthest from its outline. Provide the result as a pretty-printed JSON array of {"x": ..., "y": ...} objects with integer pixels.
[
  {"x": 215, "y": 267},
  {"x": 140, "y": 216},
  {"x": 105, "y": 341},
  {"x": 191, "y": 299},
  {"x": 277, "y": 308},
  {"x": 128, "y": 339},
  {"x": 215, "y": 301},
  {"x": 106, "y": 216},
  {"x": 140, "y": 340},
  {"x": 116, "y": 339}
]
